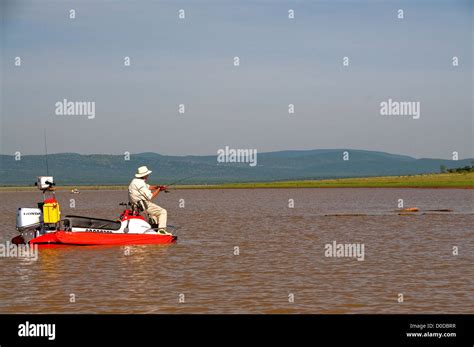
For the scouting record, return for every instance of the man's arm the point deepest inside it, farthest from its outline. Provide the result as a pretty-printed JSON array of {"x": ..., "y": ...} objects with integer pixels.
[
  {"x": 155, "y": 193},
  {"x": 144, "y": 191},
  {"x": 157, "y": 187}
]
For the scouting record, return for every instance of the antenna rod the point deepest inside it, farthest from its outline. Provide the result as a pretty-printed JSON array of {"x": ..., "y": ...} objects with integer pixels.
[{"x": 46, "y": 153}]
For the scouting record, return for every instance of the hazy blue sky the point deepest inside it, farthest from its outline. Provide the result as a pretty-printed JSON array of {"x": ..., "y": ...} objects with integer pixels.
[{"x": 282, "y": 61}]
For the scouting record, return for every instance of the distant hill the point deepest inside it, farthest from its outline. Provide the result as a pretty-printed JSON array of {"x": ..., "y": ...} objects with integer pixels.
[{"x": 103, "y": 169}]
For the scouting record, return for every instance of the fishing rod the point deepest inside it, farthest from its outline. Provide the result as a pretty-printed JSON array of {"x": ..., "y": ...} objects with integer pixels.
[
  {"x": 182, "y": 179},
  {"x": 46, "y": 152},
  {"x": 178, "y": 181}
]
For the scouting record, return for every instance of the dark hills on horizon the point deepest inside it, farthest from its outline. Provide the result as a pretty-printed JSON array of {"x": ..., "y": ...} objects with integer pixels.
[{"x": 104, "y": 169}]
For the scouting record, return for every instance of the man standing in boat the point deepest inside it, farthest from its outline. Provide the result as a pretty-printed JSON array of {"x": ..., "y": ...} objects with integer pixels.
[{"x": 139, "y": 192}]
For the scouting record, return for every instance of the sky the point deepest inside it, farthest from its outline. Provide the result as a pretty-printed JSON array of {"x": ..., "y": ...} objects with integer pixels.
[{"x": 282, "y": 61}]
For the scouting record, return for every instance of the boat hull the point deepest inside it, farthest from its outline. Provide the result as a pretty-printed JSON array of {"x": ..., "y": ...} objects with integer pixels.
[{"x": 94, "y": 238}]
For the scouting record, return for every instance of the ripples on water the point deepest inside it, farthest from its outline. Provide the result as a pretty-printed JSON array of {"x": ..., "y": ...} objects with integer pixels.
[{"x": 281, "y": 252}]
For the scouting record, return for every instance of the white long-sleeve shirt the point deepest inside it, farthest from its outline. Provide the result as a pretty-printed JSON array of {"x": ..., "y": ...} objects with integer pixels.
[{"x": 139, "y": 190}]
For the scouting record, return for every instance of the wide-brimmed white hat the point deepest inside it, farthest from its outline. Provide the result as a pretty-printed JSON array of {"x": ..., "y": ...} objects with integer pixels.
[{"x": 142, "y": 172}]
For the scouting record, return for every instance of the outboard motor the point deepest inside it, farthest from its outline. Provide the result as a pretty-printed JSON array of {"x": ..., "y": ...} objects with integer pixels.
[
  {"x": 28, "y": 218},
  {"x": 46, "y": 215}
]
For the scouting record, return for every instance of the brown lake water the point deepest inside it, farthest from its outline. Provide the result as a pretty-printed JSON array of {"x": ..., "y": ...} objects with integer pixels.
[{"x": 281, "y": 255}]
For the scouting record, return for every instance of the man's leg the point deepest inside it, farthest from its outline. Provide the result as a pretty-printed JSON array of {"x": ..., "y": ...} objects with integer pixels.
[{"x": 158, "y": 214}]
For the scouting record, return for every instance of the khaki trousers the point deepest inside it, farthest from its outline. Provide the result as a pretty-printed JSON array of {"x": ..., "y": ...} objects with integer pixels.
[{"x": 158, "y": 214}]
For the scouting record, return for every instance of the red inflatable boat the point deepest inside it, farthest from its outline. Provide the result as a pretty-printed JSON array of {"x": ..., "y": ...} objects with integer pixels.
[{"x": 44, "y": 226}]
